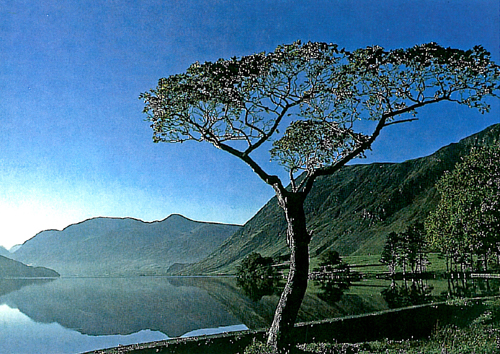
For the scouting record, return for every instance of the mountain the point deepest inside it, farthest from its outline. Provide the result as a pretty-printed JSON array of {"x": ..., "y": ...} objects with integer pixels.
[
  {"x": 4, "y": 252},
  {"x": 123, "y": 246},
  {"x": 351, "y": 211},
  {"x": 13, "y": 269},
  {"x": 14, "y": 248}
]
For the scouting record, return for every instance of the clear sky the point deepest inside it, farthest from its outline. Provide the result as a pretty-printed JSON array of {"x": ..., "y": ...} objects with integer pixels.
[{"x": 74, "y": 143}]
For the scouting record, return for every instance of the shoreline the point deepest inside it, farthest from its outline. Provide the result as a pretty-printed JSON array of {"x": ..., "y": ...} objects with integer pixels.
[{"x": 410, "y": 322}]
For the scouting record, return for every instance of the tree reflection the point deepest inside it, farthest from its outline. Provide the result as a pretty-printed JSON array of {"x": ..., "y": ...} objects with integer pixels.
[
  {"x": 332, "y": 276},
  {"x": 407, "y": 293},
  {"x": 255, "y": 288},
  {"x": 257, "y": 276},
  {"x": 331, "y": 291},
  {"x": 461, "y": 287}
]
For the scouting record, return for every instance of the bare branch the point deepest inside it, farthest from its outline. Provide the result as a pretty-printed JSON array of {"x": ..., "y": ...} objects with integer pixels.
[{"x": 400, "y": 121}]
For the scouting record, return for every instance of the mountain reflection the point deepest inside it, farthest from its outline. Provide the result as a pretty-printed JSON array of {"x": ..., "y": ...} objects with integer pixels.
[
  {"x": 173, "y": 306},
  {"x": 107, "y": 306},
  {"x": 11, "y": 285}
]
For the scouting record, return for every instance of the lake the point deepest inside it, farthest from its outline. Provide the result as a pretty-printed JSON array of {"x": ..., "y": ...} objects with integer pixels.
[{"x": 74, "y": 315}]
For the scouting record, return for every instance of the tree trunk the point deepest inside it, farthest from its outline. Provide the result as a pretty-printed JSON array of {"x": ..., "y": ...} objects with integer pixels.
[{"x": 280, "y": 336}]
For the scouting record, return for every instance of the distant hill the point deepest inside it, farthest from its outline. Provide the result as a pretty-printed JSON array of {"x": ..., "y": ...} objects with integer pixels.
[
  {"x": 351, "y": 211},
  {"x": 14, "y": 248},
  {"x": 4, "y": 252},
  {"x": 123, "y": 246},
  {"x": 10, "y": 268}
]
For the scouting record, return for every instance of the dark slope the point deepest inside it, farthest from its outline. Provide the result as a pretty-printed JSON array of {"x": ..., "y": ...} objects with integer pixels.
[
  {"x": 351, "y": 211},
  {"x": 113, "y": 246},
  {"x": 10, "y": 268}
]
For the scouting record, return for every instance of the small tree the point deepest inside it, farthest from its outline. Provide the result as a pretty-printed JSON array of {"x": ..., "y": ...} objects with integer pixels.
[
  {"x": 256, "y": 266},
  {"x": 390, "y": 253},
  {"x": 406, "y": 249},
  {"x": 257, "y": 276},
  {"x": 307, "y": 100},
  {"x": 330, "y": 259},
  {"x": 330, "y": 262},
  {"x": 467, "y": 218},
  {"x": 415, "y": 247}
]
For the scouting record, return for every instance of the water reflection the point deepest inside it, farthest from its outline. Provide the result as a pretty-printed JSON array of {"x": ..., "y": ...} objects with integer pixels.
[
  {"x": 407, "y": 293},
  {"x": 331, "y": 291},
  {"x": 121, "y": 306},
  {"x": 19, "y": 334},
  {"x": 410, "y": 292},
  {"x": 471, "y": 287},
  {"x": 90, "y": 310},
  {"x": 11, "y": 285},
  {"x": 256, "y": 288}
]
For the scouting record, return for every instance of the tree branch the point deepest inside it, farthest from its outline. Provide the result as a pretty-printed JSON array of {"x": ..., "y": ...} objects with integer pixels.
[
  {"x": 400, "y": 121},
  {"x": 272, "y": 180},
  {"x": 271, "y": 131},
  {"x": 366, "y": 144}
]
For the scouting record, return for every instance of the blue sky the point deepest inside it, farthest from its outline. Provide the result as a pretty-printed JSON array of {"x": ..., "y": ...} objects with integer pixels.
[{"x": 74, "y": 143}]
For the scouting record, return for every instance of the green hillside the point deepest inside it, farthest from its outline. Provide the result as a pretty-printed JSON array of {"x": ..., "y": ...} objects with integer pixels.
[
  {"x": 10, "y": 268},
  {"x": 123, "y": 246},
  {"x": 351, "y": 211}
]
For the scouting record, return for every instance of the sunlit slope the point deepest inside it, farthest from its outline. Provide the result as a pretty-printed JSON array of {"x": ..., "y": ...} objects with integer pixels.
[
  {"x": 115, "y": 246},
  {"x": 351, "y": 211},
  {"x": 10, "y": 268}
]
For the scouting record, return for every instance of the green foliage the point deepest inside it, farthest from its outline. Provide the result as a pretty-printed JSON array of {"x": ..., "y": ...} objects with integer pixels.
[
  {"x": 329, "y": 258},
  {"x": 389, "y": 254},
  {"x": 330, "y": 261},
  {"x": 243, "y": 102},
  {"x": 311, "y": 144},
  {"x": 332, "y": 276},
  {"x": 467, "y": 218},
  {"x": 405, "y": 294},
  {"x": 406, "y": 249},
  {"x": 482, "y": 336},
  {"x": 257, "y": 276},
  {"x": 258, "y": 348},
  {"x": 237, "y": 105},
  {"x": 256, "y": 266}
]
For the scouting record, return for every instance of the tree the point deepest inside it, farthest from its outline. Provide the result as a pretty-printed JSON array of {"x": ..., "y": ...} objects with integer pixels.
[
  {"x": 390, "y": 253},
  {"x": 406, "y": 249},
  {"x": 467, "y": 218},
  {"x": 314, "y": 102},
  {"x": 329, "y": 263},
  {"x": 330, "y": 259},
  {"x": 416, "y": 246},
  {"x": 257, "y": 276},
  {"x": 256, "y": 266}
]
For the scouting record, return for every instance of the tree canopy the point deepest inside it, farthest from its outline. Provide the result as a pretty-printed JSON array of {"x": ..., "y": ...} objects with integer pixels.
[
  {"x": 240, "y": 103},
  {"x": 467, "y": 218}
]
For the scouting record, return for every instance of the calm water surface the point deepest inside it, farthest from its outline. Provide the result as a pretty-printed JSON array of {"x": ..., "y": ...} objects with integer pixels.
[{"x": 74, "y": 315}]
